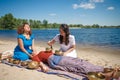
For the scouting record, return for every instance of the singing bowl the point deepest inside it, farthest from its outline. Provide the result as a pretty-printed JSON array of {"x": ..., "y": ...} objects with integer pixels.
[
  {"x": 95, "y": 76},
  {"x": 16, "y": 61},
  {"x": 57, "y": 52},
  {"x": 108, "y": 70},
  {"x": 24, "y": 63},
  {"x": 48, "y": 49},
  {"x": 33, "y": 65},
  {"x": 10, "y": 60},
  {"x": 100, "y": 76},
  {"x": 92, "y": 76}
]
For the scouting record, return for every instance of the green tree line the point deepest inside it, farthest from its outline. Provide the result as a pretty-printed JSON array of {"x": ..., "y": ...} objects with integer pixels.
[{"x": 8, "y": 21}]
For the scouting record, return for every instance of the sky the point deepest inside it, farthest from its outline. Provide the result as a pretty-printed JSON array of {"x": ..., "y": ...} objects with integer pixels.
[{"x": 85, "y": 12}]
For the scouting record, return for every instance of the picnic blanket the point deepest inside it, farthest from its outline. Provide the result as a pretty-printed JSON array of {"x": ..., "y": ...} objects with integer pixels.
[{"x": 65, "y": 74}]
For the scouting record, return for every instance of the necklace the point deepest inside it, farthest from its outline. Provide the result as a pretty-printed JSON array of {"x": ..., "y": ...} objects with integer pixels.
[{"x": 27, "y": 36}]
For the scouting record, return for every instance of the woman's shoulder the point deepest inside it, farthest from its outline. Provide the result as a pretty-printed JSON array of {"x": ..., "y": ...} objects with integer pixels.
[
  {"x": 57, "y": 34},
  {"x": 71, "y": 36},
  {"x": 20, "y": 36}
]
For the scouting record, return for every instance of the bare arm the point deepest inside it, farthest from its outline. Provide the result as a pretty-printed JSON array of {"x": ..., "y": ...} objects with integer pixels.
[
  {"x": 69, "y": 50},
  {"x": 73, "y": 46},
  {"x": 33, "y": 48},
  {"x": 50, "y": 43},
  {"x": 20, "y": 43}
]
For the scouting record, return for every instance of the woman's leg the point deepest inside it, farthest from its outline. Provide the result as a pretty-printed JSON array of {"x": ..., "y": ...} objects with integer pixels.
[
  {"x": 115, "y": 74},
  {"x": 20, "y": 56},
  {"x": 78, "y": 66}
]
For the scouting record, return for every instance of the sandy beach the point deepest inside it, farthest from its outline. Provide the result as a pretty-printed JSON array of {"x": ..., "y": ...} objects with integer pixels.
[{"x": 103, "y": 56}]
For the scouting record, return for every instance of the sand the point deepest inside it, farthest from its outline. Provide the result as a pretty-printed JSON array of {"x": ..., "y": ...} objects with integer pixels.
[{"x": 103, "y": 56}]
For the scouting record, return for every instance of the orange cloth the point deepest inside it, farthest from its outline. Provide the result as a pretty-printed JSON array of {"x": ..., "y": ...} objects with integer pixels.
[{"x": 42, "y": 56}]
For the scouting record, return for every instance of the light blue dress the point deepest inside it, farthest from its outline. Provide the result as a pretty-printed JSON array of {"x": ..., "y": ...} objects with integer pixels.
[{"x": 18, "y": 53}]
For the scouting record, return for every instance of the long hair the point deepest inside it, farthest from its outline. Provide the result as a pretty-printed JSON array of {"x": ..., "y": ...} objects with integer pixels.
[
  {"x": 65, "y": 28},
  {"x": 20, "y": 29}
]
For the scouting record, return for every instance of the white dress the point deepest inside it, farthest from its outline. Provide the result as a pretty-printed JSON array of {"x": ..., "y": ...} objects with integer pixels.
[{"x": 64, "y": 47}]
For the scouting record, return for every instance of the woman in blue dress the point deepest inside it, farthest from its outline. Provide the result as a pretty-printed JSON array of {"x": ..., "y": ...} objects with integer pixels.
[{"x": 25, "y": 48}]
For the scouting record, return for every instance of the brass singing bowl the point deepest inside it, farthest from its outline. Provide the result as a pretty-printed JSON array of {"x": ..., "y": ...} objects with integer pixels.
[
  {"x": 10, "y": 60},
  {"x": 48, "y": 49},
  {"x": 100, "y": 76},
  {"x": 95, "y": 76},
  {"x": 92, "y": 76},
  {"x": 33, "y": 65},
  {"x": 16, "y": 61},
  {"x": 24, "y": 63},
  {"x": 106, "y": 70},
  {"x": 57, "y": 52}
]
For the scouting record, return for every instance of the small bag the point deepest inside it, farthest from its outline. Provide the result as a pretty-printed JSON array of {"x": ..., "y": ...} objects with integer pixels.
[{"x": 57, "y": 52}]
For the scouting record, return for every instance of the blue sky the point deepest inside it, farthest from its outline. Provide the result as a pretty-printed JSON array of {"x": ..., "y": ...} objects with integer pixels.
[{"x": 86, "y": 12}]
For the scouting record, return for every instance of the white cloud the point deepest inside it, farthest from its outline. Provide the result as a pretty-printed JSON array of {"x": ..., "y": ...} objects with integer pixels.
[
  {"x": 52, "y": 14},
  {"x": 84, "y": 6},
  {"x": 75, "y": 6},
  {"x": 96, "y": 1},
  {"x": 90, "y": 4},
  {"x": 110, "y": 8}
]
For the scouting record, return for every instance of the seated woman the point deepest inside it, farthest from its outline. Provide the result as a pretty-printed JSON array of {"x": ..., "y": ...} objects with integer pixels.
[
  {"x": 25, "y": 48},
  {"x": 66, "y": 41},
  {"x": 70, "y": 64}
]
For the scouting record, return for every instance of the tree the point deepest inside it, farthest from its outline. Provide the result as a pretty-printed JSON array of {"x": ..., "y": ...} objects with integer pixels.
[
  {"x": 45, "y": 23},
  {"x": 7, "y": 21},
  {"x": 95, "y": 26}
]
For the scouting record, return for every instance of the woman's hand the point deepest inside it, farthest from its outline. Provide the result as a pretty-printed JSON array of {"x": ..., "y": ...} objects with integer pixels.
[
  {"x": 49, "y": 43},
  {"x": 64, "y": 53},
  {"x": 31, "y": 56},
  {"x": 34, "y": 53}
]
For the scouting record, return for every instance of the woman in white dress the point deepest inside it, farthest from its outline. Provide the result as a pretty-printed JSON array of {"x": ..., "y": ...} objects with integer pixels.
[{"x": 66, "y": 40}]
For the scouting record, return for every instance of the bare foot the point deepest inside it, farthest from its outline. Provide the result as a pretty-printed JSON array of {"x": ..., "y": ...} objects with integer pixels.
[
  {"x": 116, "y": 73},
  {"x": 108, "y": 75}
]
